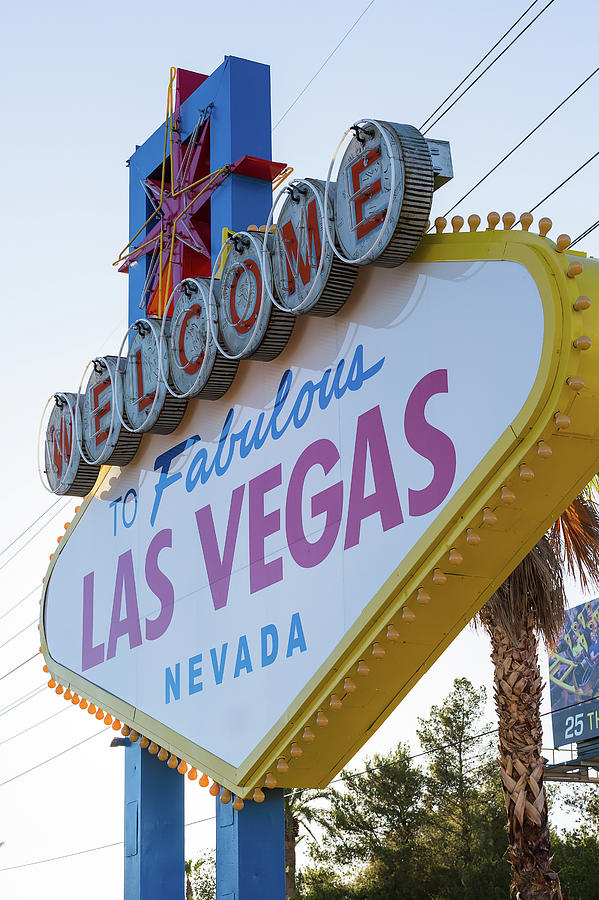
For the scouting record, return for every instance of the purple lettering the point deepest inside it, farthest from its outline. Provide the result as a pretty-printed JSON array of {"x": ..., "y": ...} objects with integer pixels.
[
  {"x": 91, "y": 655},
  {"x": 430, "y": 443},
  {"x": 125, "y": 581},
  {"x": 262, "y": 525},
  {"x": 160, "y": 585},
  {"x": 219, "y": 568},
  {"x": 307, "y": 553},
  {"x": 371, "y": 439}
]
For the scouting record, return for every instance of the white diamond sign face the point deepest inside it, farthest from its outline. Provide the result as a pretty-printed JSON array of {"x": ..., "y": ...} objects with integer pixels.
[{"x": 217, "y": 589}]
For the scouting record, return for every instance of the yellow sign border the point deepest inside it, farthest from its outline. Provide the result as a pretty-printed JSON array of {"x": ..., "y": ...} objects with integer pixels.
[{"x": 488, "y": 553}]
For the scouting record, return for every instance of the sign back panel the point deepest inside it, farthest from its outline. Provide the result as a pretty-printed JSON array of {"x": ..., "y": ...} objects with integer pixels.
[{"x": 330, "y": 524}]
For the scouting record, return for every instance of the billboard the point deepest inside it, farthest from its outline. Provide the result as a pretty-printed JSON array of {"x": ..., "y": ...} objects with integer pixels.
[
  {"x": 258, "y": 588},
  {"x": 574, "y": 676}
]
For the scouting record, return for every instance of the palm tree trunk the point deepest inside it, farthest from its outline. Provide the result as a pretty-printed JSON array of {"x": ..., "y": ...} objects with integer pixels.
[
  {"x": 518, "y": 690},
  {"x": 291, "y": 833}
]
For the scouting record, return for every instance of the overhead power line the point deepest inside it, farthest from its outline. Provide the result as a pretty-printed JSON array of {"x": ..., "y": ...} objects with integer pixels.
[
  {"x": 35, "y": 725},
  {"x": 321, "y": 67},
  {"x": 51, "y": 758},
  {"x": 485, "y": 70},
  {"x": 31, "y": 524},
  {"x": 34, "y": 535},
  {"x": 16, "y": 635},
  {"x": 6, "y": 674},
  {"x": 39, "y": 862},
  {"x": 18, "y": 603},
  {"x": 523, "y": 141},
  {"x": 585, "y": 233},
  {"x": 562, "y": 183},
  {"x": 28, "y": 696}
]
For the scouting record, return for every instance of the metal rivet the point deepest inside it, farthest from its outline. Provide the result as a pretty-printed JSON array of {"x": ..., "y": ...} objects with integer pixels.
[
  {"x": 582, "y": 303},
  {"x": 576, "y": 382}
]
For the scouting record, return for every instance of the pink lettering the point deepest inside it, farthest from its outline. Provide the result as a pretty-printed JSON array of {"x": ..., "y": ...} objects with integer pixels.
[
  {"x": 219, "y": 568},
  {"x": 430, "y": 443},
  {"x": 329, "y": 501},
  {"x": 125, "y": 583},
  {"x": 91, "y": 655},
  {"x": 371, "y": 440},
  {"x": 262, "y": 525},
  {"x": 160, "y": 585}
]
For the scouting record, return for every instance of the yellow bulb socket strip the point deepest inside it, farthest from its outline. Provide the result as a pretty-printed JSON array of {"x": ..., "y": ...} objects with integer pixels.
[{"x": 533, "y": 471}]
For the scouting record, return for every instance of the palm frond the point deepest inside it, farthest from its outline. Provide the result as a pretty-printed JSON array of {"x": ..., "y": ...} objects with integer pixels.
[
  {"x": 575, "y": 538},
  {"x": 535, "y": 587}
]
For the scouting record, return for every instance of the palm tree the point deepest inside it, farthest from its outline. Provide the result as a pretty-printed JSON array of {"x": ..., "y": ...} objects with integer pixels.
[
  {"x": 299, "y": 811},
  {"x": 530, "y": 605}
]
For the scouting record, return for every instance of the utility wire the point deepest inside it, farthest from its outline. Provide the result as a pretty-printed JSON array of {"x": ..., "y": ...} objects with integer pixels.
[
  {"x": 319, "y": 70},
  {"x": 18, "y": 603},
  {"x": 6, "y": 674},
  {"x": 524, "y": 139},
  {"x": 562, "y": 183},
  {"x": 28, "y": 696},
  {"x": 35, "y": 725},
  {"x": 17, "y": 634},
  {"x": 51, "y": 758},
  {"x": 39, "y": 862},
  {"x": 484, "y": 71},
  {"x": 31, "y": 524},
  {"x": 34, "y": 535},
  {"x": 585, "y": 233},
  {"x": 479, "y": 63}
]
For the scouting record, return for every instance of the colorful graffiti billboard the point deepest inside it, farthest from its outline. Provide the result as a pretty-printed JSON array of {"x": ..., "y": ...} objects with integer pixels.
[{"x": 574, "y": 676}]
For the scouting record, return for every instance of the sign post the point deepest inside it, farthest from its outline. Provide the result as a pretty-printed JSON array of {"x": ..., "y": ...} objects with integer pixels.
[{"x": 249, "y": 847}]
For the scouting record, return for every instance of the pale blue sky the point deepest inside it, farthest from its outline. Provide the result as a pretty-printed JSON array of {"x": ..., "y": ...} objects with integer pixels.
[{"x": 82, "y": 85}]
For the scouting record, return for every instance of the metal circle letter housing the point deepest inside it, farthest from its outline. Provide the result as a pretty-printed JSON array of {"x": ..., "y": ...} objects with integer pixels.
[
  {"x": 384, "y": 193},
  {"x": 309, "y": 278},
  {"x": 104, "y": 437},
  {"x": 249, "y": 323},
  {"x": 148, "y": 406},
  {"x": 66, "y": 472}
]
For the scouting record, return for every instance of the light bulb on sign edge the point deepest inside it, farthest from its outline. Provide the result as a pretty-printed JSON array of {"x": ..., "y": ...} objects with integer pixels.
[
  {"x": 408, "y": 615},
  {"x": 308, "y": 735},
  {"x": 295, "y": 751},
  {"x": 423, "y": 597},
  {"x": 525, "y": 472},
  {"x": 67, "y": 694},
  {"x": 545, "y": 226},
  {"x": 225, "y": 797},
  {"x": 489, "y": 517},
  {"x": 163, "y": 754},
  {"x": 59, "y": 689},
  {"x": 192, "y": 774},
  {"x": 214, "y": 789},
  {"x": 172, "y": 761},
  {"x": 455, "y": 557},
  {"x": 349, "y": 686},
  {"x": 378, "y": 651},
  {"x": 99, "y": 714},
  {"x": 116, "y": 725},
  {"x": 258, "y": 796},
  {"x": 472, "y": 537},
  {"x": 493, "y": 220},
  {"x": 439, "y": 577},
  {"x": 270, "y": 781},
  {"x": 203, "y": 780},
  {"x": 363, "y": 669},
  {"x": 544, "y": 450},
  {"x": 581, "y": 303},
  {"x": 473, "y": 222},
  {"x": 321, "y": 719},
  {"x": 144, "y": 742},
  {"x": 508, "y": 220},
  {"x": 574, "y": 269},
  {"x": 335, "y": 703},
  {"x": 583, "y": 342},
  {"x": 238, "y": 804},
  {"x": 440, "y": 224},
  {"x": 457, "y": 223},
  {"x": 563, "y": 242},
  {"x": 392, "y": 633},
  {"x": 507, "y": 495},
  {"x": 182, "y": 768},
  {"x": 526, "y": 220},
  {"x": 575, "y": 382},
  {"x": 153, "y": 748},
  {"x": 133, "y": 736}
]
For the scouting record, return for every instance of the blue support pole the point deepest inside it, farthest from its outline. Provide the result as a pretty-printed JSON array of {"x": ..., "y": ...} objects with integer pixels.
[
  {"x": 154, "y": 828},
  {"x": 249, "y": 845},
  {"x": 250, "y": 850}
]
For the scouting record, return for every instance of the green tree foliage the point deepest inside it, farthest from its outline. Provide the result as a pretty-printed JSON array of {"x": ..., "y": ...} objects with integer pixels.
[
  {"x": 200, "y": 877},
  {"x": 396, "y": 831}
]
